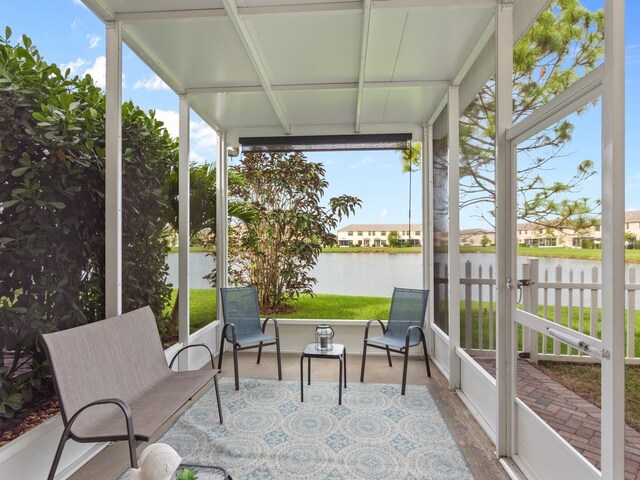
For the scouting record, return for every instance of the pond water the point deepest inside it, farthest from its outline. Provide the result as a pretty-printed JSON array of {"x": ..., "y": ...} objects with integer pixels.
[{"x": 375, "y": 274}]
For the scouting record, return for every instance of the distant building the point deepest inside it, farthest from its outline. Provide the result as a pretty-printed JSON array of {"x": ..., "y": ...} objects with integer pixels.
[
  {"x": 376, "y": 235},
  {"x": 528, "y": 234}
]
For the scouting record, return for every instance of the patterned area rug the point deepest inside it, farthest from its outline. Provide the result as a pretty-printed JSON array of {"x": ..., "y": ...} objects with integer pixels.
[{"x": 269, "y": 434}]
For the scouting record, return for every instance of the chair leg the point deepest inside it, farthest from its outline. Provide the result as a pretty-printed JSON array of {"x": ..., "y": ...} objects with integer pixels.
[
  {"x": 235, "y": 367},
  {"x": 56, "y": 458},
  {"x": 221, "y": 352},
  {"x": 404, "y": 370},
  {"x": 279, "y": 361},
  {"x": 389, "y": 356},
  {"x": 215, "y": 383},
  {"x": 426, "y": 356},
  {"x": 364, "y": 359},
  {"x": 259, "y": 352}
]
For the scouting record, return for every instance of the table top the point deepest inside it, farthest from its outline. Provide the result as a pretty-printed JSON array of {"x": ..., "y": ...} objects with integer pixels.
[{"x": 311, "y": 351}]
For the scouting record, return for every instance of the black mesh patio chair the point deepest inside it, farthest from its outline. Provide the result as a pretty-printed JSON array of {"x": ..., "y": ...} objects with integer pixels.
[
  {"x": 242, "y": 326},
  {"x": 403, "y": 330}
]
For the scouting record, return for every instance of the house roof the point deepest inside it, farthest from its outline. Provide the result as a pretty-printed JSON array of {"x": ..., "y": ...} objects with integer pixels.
[
  {"x": 255, "y": 68},
  {"x": 632, "y": 216}
]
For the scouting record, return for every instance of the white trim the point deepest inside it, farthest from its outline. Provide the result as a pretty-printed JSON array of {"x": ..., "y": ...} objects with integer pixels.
[
  {"x": 580, "y": 94},
  {"x": 364, "y": 44},
  {"x": 427, "y": 226},
  {"x": 183, "y": 223},
  {"x": 222, "y": 221},
  {"x": 113, "y": 171},
  {"x": 252, "y": 52},
  {"x": 505, "y": 235},
  {"x": 613, "y": 281},
  {"x": 453, "y": 129}
]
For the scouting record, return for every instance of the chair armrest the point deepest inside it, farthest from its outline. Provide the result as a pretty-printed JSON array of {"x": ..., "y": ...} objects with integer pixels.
[
  {"x": 234, "y": 332},
  {"x": 128, "y": 417},
  {"x": 189, "y": 346},
  {"x": 366, "y": 329},
  {"x": 410, "y": 331},
  {"x": 275, "y": 324}
]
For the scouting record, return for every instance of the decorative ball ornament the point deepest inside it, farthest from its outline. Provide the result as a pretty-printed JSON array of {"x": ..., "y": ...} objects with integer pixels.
[{"x": 157, "y": 462}]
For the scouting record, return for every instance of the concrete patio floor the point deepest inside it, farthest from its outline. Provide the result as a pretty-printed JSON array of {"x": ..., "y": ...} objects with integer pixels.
[{"x": 472, "y": 441}]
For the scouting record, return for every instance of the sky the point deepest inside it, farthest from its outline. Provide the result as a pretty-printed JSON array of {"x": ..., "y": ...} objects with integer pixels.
[{"x": 68, "y": 34}]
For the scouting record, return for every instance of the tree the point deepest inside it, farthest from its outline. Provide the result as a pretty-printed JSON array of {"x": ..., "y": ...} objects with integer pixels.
[
  {"x": 203, "y": 199},
  {"x": 202, "y": 214},
  {"x": 277, "y": 252},
  {"x": 52, "y": 177},
  {"x": 411, "y": 163},
  {"x": 564, "y": 42},
  {"x": 393, "y": 238}
]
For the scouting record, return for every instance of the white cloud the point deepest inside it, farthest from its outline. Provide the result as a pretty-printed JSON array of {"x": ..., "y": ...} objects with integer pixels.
[
  {"x": 195, "y": 157},
  {"x": 76, "y": 24},
  {"x": 203, "y": 136},
  {"x": 171, "y": 120},
  {"x": 94, "y": 40},
  {"x": 151, "y": 83},
  {"x": 98, "y": 71},
  {"x": 78, "y": 2},
  {"x": 74, "y": 66},
  {"x": 366, "y": 160},
  {"x": 384, "y": 212}
]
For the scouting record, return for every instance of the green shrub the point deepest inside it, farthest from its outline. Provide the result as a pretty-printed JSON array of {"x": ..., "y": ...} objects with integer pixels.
[{"x": 52, "y": 200}]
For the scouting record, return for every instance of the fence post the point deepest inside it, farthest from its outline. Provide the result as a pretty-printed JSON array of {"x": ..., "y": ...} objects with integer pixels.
[
  {"x": 631, "y": 315},
  {"x": 468, "y": 331},
  {"x": 534, "y": 266},
  {"x": 593, "y": 327},
  {"x": 526, "y": 300}
]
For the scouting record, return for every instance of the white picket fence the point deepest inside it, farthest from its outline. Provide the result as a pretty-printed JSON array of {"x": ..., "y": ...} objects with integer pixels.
[{"x": 552, "y": 294}]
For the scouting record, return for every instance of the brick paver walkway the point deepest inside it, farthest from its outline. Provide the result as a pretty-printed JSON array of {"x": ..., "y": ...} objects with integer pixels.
[{"x": 574, "y": 418}]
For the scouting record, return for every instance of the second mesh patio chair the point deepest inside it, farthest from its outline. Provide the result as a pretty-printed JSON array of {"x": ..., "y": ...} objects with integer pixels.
[
  {"x": 403, "y": 330},
  {"x": 242, "y": 326}
]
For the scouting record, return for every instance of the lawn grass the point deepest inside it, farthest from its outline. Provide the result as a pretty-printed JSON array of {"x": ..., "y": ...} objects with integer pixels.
[
  {"x": 321, "y": 306},
  {"x": 549, "y": 315}
]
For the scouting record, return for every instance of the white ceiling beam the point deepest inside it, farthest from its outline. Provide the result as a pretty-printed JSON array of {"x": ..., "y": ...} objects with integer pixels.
[
  {"x": 353, "y": 6},
  {"x": 321, "y": 86},
  {"x": 404, "y": 4},
  {"x": 247, "y": 42},
  {"x": 364, "y": 43},
  {"x": 170, "y": 15}
]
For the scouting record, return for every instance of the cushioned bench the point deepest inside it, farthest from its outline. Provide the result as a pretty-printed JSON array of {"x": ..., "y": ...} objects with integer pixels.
[{"x": 113, "y": 381}]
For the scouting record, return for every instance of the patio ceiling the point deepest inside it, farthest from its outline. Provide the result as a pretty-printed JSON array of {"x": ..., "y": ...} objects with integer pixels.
[{"x": 311, "y": 67}]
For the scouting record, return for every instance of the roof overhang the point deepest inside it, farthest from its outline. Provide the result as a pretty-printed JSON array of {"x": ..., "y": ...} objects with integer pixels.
[{"x": 261, "y": 68}]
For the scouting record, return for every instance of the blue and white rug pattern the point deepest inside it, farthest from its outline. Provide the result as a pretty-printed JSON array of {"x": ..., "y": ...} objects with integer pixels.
[{"x": 269, "y": 434}]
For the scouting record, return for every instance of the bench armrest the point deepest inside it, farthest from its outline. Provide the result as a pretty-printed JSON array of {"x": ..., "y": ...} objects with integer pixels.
[
  {"x": 128, "y": 417},
  {"x": 189, "y": 346}
]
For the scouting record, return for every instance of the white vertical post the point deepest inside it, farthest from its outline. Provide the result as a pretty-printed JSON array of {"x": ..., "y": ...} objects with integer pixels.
[
  {"x": 454, "y": 235},
  {"x": 113, "y": 171},
  {"x": 183, "y": 223},
  {"x": 613, "y": 162},
  {"x": 427, "y": 227},
  {"x": 222, "y": 219},
  {"x": 505, "y": 233}
]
